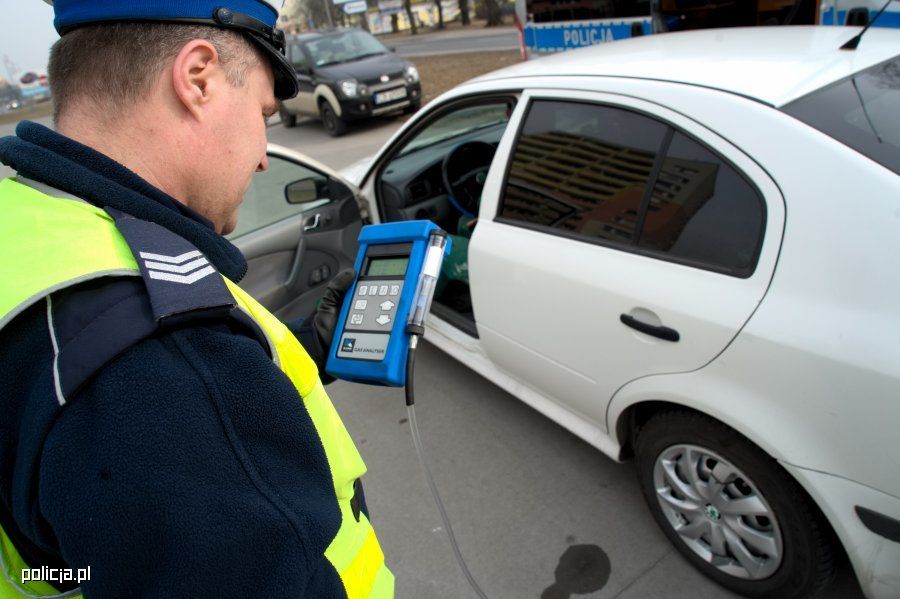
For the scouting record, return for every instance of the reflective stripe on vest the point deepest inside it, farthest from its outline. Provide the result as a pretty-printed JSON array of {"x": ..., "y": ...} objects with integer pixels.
[{"x": 61, "y": 242}]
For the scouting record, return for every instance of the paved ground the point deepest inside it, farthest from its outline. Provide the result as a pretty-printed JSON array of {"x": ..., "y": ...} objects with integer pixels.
[
  {"x": 538, "y": 513},
  {"x": 449, "y": 42},
  {"x": 531, "y": 505},
  {"x": 309, "y": 137}
]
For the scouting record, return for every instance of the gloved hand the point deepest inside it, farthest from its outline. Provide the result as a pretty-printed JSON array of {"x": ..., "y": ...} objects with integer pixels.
[
  {"x": 329, "y": 307},
  {"x": 316, "y": 332}
]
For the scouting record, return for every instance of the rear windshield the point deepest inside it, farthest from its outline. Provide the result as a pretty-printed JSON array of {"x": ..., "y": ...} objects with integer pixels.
[{"x": 862, "y": 112}]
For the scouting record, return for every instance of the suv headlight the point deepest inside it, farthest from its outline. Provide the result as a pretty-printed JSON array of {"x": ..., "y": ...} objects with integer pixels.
[
  {"x": 349, "y": 88},
  {"x": 412, "y": 74}
]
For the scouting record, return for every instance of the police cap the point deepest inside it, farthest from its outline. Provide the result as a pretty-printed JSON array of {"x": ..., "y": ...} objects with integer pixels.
[{"x": 254, "y": 18}]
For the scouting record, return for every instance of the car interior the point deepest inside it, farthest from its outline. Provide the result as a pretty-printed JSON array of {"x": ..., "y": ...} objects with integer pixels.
[{"x": 437, "y": 172}]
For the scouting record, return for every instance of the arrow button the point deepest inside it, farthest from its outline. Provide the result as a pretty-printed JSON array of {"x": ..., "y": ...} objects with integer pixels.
[
  {"x": 383, "y": 319},
  {"x": 387, "y": 305}
]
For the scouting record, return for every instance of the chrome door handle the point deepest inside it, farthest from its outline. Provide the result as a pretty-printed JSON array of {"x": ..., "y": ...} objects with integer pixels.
[{"x": 314, "y": 224}]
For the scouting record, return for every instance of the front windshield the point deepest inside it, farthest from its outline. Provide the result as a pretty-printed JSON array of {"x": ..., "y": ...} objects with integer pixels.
[
  {"x": 345, "y": 46},
  {"x": 459, "y": 123}
]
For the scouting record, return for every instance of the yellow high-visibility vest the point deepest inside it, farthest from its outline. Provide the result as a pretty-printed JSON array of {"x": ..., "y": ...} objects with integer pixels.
[{"x": 61, "y": 242}]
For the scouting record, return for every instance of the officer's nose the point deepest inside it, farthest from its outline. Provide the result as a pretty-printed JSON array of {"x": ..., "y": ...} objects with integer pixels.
[{"x": 263, "y": 165}]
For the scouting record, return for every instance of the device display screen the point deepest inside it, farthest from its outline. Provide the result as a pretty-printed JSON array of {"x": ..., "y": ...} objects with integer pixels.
[{"x": 391, "y": 267}]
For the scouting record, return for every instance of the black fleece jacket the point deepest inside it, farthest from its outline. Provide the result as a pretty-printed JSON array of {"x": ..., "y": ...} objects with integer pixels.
[{"x": 188, "y": 466}]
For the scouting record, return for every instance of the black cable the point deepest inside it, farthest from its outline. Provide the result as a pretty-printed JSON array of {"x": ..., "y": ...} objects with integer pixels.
[{"x": 410, "y": 369}]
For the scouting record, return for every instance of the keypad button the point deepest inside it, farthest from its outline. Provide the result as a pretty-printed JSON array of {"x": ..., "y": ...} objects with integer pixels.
[
  {"x": 387, "y": 305},
  {"x": 356, "y": 319},
  {"x": 363, "y": 289},
  {"x": 373, "y": 290},
  {"x": 360, "y": 304},
  {"x": 383, "y": 290},
  {"x": 383, "y": 319},
  {"x": 395, "y": 289}
]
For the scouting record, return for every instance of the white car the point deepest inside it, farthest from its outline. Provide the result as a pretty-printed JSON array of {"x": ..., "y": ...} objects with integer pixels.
[{"x": 684, "y": 249}]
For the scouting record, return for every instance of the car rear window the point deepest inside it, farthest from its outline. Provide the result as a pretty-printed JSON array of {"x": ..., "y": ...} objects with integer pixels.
[{"x": 862, "y": 112}]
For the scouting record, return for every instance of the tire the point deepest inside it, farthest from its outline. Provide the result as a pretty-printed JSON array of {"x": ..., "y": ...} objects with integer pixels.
[
  {"x": 288, "y": 119},
  {"x": 791, "y": 551},
  {"x": 412, "y": 108},
  {"x": 334, "y": 125}
]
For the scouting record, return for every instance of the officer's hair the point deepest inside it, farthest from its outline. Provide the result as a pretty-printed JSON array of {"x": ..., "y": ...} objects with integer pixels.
[{"x": 115, "y": 64}]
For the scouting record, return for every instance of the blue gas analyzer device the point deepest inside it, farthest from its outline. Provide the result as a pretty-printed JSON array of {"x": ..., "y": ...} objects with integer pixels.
[{"x": 397, "y": 269}]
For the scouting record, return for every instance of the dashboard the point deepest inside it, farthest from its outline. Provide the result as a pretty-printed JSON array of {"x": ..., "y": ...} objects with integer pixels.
[{"x": 411, "y": 185}]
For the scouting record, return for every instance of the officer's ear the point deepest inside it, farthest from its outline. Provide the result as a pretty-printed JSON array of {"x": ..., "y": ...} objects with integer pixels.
[{"x": 196, "y": 74}]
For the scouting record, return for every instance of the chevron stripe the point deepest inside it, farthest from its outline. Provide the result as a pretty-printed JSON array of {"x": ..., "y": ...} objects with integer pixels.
[
  {"x": 183, "y": 269},
  {"x": 171, "y": 259},
  {"x": 183, "y": 279}
]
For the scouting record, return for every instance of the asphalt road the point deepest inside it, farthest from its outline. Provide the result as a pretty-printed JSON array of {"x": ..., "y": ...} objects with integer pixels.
[
  {"x": 450, "y": 42},
  {"x": 538, "y": 513}
]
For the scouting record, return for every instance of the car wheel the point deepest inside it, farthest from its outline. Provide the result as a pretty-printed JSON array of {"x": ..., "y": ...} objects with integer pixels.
[
  {"x": 334, "y": 124},
  {"x": 413, "y": 107},
  {"x": 731, "y": 510},
  {"x": 287, "y": 119}
]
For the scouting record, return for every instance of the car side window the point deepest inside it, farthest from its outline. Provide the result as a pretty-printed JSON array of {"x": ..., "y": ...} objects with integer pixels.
[
  {"x": 582, "y": 169},
  {"x": 612, "y": 176},
  {"x": 702, "y": 210},
  {"x": 297, "y": 57},
  {"x": 283, "y": 190}
]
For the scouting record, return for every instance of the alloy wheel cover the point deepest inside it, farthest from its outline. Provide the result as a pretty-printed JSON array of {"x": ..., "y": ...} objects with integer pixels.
[{"x": 718, "y": 512}]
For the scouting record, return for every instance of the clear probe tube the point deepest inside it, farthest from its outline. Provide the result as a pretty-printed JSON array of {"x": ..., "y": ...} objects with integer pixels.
[
  {"x": 415, "y": 326},
  {"x": 420, "y": 451},
  {"x": 431, "y": 270}
]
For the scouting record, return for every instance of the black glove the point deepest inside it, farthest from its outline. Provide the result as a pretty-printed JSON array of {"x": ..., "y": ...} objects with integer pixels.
[
  {"x": 316, "y": 332},
  {"x": 329, "y": 307}
]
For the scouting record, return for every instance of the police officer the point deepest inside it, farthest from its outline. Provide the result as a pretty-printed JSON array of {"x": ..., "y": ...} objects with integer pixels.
[{"x": 158, "y": 425}]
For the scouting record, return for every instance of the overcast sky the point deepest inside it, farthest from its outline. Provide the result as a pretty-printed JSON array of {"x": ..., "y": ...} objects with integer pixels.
[{"x": 26, "y": 34}]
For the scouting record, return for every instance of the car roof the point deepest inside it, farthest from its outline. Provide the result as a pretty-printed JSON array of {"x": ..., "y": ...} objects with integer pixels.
[{"x": 774, "y": 65}]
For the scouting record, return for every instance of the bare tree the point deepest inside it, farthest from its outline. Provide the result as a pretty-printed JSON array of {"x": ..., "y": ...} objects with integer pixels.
[
  {"x": 464, "y": 11},
  {"x": 492, "y": 8},
  {"x": 414, "y": 29},
  {"x": 440, "y": 8}
]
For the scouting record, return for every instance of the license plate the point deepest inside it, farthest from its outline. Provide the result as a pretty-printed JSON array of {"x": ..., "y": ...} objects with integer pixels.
[{"x": 392, "y": 94}]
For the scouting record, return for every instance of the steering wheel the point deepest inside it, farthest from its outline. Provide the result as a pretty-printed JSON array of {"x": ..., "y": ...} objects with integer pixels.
[{"x": 464, "y": 171}]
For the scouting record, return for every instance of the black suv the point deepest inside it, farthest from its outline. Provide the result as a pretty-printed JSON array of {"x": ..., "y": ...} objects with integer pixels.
[{"x": 347, "y": 75}]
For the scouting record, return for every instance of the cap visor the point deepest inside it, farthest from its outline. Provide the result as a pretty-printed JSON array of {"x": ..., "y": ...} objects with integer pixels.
[{"x": 286, "y": 84}]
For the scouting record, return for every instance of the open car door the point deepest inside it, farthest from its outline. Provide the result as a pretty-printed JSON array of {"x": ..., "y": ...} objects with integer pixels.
[{"x": 297, "y": 228}]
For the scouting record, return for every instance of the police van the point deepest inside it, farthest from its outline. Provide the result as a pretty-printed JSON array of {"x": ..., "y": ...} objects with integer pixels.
[{"x": 549, "y": 26}]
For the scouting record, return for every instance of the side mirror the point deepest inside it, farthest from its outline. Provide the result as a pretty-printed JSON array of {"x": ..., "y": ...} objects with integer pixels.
[
  {"x": 303, "y": 69},
  {"x": 302, "y": 191}
]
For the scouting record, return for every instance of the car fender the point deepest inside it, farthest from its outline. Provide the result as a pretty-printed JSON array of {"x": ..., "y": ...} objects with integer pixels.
[
  {"x": 707, "y": 390},
  {"x": 323, "y": 91}
]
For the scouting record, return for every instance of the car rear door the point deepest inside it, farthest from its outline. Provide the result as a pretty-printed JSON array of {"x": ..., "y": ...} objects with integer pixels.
[
  {"x": 623, "y": 240},
  {"x": 297, "y": 228}
]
